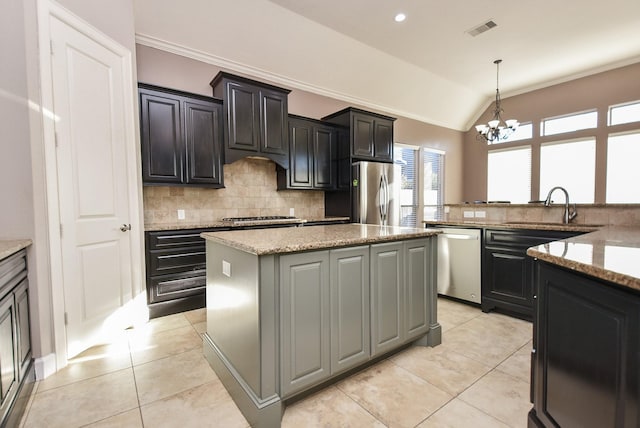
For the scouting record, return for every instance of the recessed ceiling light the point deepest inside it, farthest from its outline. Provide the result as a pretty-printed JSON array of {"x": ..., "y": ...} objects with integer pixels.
[{"x": 400, "y": 17}]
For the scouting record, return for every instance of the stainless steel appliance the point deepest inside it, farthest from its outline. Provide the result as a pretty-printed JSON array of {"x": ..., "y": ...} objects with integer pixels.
[
  {"x": 375, "y": 193},
  {"x": 459, "y": 259}
]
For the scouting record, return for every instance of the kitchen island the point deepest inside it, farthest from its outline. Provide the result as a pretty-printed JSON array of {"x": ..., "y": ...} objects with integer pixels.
[
  {"x": 586, "y": 342},
  {"x": 290, "y": 310}
]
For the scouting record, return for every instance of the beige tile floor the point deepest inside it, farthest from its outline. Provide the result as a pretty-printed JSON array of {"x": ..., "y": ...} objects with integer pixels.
[{"x": 156, "y": 376}]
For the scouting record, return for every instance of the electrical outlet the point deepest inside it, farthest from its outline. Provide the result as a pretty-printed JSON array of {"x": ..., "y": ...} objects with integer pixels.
[
  {"x": 446, "y": 210},
  {"x": 292, "y": 212},
  {"x": 181, "y": 215},
  {"x": 481, "y": 214},
  {"x": 467, "y": 214},
  {"x": 226, "y": 268}
]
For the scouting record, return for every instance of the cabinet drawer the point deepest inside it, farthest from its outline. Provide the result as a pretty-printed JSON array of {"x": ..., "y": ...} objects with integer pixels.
[
  {"x": 168, "y": 240},
  {"x": 169, "y": 287},
  {"x": 522, "y": 238},
  {"x": 166, "y": 262}
]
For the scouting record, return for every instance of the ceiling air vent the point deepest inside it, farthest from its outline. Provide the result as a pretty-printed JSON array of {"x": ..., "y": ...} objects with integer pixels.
[{"x": 481, "y": 28}]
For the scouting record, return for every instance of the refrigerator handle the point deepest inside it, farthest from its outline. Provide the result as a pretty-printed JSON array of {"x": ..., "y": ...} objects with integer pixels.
[{"x": 381, "y": 205}]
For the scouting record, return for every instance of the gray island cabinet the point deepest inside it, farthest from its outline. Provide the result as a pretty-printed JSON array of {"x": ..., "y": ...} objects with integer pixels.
[{"x": 292, "y": 309}]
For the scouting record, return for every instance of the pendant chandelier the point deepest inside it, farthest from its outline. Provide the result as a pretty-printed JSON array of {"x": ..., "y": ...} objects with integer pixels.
[{"x": 496, "y": 129}]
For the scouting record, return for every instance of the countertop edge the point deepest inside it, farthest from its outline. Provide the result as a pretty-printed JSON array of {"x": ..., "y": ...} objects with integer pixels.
[
  {"x": 614, "y": 277},
  {"x": 9, "y": 247},
  {"x": 573, "y": 227},
  {"x": 221, "y": 224},
  {"x": 319, "y": 245}
]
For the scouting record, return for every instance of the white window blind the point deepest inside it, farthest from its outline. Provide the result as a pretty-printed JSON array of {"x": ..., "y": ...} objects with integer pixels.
[
  {"x": 433, "y": 172},
  {"x": 624, "y": 113},
  {"x": 571, "y": 165},
  {"x": 623, "y": 174},
  {"x": 509, "y": 175},
  {"x": 406, "y": 158}
]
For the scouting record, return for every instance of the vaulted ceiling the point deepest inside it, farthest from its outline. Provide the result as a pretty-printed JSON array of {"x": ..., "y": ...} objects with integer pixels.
[{"x": 427, "y": 67}]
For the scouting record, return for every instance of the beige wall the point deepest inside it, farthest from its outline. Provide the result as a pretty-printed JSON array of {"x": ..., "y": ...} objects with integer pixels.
[
  {"x": 173, "y": 71},
  {"x": 597, "y": 91}
]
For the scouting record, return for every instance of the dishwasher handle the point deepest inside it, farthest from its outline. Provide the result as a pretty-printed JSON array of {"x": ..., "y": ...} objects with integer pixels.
[{"x": 460, "y": 236}]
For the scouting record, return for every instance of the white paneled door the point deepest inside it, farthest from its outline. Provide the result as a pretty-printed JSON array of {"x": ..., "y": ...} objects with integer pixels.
[{"x": 92, "y": 127}]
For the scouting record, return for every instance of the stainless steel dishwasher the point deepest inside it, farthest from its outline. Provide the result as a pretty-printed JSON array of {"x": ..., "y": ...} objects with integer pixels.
[{"x": 459, "y": 259}]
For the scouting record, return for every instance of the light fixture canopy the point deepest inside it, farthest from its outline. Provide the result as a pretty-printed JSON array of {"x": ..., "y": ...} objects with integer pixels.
[
  {"x": 400, "y": 17},
  {"x": 496, "y": 129}
]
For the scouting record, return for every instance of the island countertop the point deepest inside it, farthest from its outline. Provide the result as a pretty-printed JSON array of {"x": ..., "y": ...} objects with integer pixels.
[
  {"x": 297, "y": 239},
  {"x": 611, "y": 253}
]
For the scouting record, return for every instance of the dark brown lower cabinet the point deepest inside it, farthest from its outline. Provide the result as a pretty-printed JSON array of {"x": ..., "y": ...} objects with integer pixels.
[
  {"x": 507, "y": 281},
  {"x": 586, "y": 352},
  {"x": 176, "y": 278},
  {"x": 17, "y": 376}
]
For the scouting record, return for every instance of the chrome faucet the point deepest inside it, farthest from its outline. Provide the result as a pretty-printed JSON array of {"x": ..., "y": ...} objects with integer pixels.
[{"x": 569, "y": 214}]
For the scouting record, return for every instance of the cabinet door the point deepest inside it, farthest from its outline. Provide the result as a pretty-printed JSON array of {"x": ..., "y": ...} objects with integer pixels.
[
  {"x": 8, "y": 348},
  {"x": 362, "y": 135},
  {"x": 203, "y": 134},
  {"x": 387, "y": 297},
  {"x": 587, "y": 372},
  {"x": 304, "y": 317},
  {"x": 344, "y": 160},
  {"x": 243, "y": 117},
  {"x": 300, "y": 156},
  {"x": 350, "y": 333},
  {"x": 161, "y": 138},
  {"x": 324, "y": 146},
  {"x": 508, "y": 276},
  {"x": 383, "y": 140},
  {"x": 416, "y": 302},
  {"x": 273, "y": 122},
  {"x": 24, "y": 330}
]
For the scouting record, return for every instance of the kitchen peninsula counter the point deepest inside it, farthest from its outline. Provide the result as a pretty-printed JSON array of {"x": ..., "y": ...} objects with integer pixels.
[
  {"x": 611, "y": 254},
  {"x": 290, "y": 310}
]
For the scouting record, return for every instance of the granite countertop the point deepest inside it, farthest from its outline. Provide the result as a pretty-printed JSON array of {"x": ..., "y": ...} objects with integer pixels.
[
  {"x": 9, "y": 247},
  {"x": 296, "y": 239},
  {"x": 519, "y": 225},
  {"x": 219, "y": 223},
  {"x": 611, "y": 253}
]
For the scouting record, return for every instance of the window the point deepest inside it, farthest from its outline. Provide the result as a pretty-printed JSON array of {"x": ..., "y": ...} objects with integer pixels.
[
  {"x": 571, "y": 165},
  {"x": 509, "y": 175},
  {"x": 624, "y": 113},
  {"x": 433, "y": 172},
  {"x": 569, "y": 123},
  {"x": 623, "y": 174},
  {"x": 524, "y": 132},
  {"x": 406, "y": 157}
]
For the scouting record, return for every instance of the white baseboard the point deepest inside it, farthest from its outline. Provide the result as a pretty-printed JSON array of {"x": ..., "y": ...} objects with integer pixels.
[{"x": 45, "y": 366}]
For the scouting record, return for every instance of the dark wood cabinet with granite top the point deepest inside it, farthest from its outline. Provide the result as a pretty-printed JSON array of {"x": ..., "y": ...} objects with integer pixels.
[
  {"x": 176, "y": 277},
  {"x": 507, "y": 272},
  {"x": 16, "y": 364},
  {"x": 181, "y": 138},
  {"x": 255, "y": 118},
  {"x": 585, "y": 365}
]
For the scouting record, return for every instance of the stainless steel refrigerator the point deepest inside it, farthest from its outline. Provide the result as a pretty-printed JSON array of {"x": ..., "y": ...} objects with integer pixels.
[{"x": 376, "y": 193}]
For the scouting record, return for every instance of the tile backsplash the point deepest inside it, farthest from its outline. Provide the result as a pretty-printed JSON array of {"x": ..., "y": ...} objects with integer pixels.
[
  {"x": 250, "y": 191},
  {"x": 612, "y": 214}
]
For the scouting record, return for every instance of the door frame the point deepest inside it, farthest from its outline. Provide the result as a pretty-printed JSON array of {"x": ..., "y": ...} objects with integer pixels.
[{"x": 46, "y": 10}]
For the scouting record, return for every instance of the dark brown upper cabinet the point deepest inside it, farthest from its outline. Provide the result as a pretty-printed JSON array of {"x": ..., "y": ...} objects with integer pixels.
[
  {"x": 371, "y": 134},
  {"x": 255, "y": 118},
  {"x": 181, "y": 138},
  {"x": 312, "y": 155}
]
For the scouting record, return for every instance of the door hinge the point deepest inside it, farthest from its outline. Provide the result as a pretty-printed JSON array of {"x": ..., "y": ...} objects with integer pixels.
[
  {"x": 61, "y": 230},
  {"x": 66, "y": 319},
  {"x": 51, "y": 47},
  {"x": 55, "y": 138}
]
